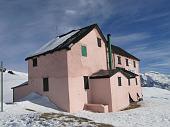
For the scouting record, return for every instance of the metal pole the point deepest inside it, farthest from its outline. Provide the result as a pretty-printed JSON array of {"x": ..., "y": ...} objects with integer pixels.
[
  {"x": 1, "y": 86},
  {"x": 109, "y": 51}
]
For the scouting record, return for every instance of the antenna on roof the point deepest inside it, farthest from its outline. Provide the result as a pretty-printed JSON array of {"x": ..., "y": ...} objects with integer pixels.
[{"x": 56, "y": 29}]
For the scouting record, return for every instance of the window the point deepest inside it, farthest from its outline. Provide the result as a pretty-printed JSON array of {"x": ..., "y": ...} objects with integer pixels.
[
  {"x": 136, "y": 81},
  {"x": 99, "y": 42},
  {"x": 86, "y": 82},
  {"x": 127, "y": 62},
  {"x": 84, "y": 51},
  {"x": 119, "y": 59},
  {"x": 45, "y": 84},
  {"x": 119, "y": 81},
  {"x": 34, "y": 61},
  {"x": 129, "y": 82},
  {"x": 134, "y": 63}
]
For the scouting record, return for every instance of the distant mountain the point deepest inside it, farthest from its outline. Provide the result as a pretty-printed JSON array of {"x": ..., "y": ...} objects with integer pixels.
[
  {"x": 155, "y": 79},
  {"x": 12, "y": 79}
]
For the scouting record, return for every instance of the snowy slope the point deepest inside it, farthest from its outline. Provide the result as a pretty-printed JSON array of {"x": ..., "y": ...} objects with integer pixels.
[
  {"x": 154, "y": 112},
  {"x": 11, "y": 80},
  {"x": 38, "y": 111},
  {"x": 156, "y": 79}
]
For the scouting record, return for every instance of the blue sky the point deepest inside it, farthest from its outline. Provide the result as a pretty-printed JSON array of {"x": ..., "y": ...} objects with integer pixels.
[{"x": 141, "y": 27}]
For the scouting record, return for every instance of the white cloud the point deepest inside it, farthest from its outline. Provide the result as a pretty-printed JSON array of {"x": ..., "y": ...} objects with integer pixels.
[
  {"x": 160, "y": 65},
  {"x": 70, "y": 12},
  {"x": 130, "y": 37},
  {"x": 152, "y": 17}
]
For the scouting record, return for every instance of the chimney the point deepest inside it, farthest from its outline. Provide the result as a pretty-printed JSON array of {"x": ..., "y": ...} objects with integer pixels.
[{"x": 109, "y": 51}]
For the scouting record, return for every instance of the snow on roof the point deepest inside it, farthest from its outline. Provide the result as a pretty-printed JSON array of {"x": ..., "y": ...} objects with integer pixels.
[{"x": 54, "y": 43}]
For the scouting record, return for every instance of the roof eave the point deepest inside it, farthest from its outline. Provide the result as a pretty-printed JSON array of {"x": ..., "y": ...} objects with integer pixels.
[{"x": 91, "y": 27}]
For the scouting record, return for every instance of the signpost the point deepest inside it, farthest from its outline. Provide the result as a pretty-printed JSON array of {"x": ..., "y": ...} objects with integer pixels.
[{"x": 1, "y": 70}]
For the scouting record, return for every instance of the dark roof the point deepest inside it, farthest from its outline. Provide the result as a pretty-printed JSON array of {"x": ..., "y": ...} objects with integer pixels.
[
  {"x": 23, "y": 84},
  {"x": 73, "y": 37},
  {"x": 120, "y": 51},
  {"x": 110, "y": 73},
  {"x": 64, "y": 41}
]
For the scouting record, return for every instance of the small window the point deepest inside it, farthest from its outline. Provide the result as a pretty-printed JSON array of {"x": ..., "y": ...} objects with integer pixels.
[
  {"x": 134, "y": 64},
  {"x": 34, "y": 61},
  {"x": 127, "y": 62},
  {"x": 86, "y": 82},
  {"x": 129, "y": 82},
  {"x": 99, "y": 42},
  {"x": 136, "y": 81},
  {"x": 119, "y": 59},
  {"x": 119, "y": 81},
  {"x": 45, "y": 84},
  {"x": 84, "y": 51}
]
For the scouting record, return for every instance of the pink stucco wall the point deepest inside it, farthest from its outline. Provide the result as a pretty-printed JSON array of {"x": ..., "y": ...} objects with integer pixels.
[
  {"x": 123, "y": 63},
  {"x": 65, "y": 70},
  {"x": 21, "y": 92},
  {"x": 106, "y": 91},
  {"x": 79, "y": 66},
  {"x": 53, "y": 66},
  {"x": 120, "y": 98},
  {"x": 100, "y": 91}
]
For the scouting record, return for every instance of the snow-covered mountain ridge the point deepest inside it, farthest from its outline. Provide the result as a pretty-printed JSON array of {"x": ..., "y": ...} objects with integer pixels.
[{"x": 155, "y": 79}]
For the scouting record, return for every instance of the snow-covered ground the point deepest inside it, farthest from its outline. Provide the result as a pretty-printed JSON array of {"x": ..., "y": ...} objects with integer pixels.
[
  {"x": 12, "y": 80},
  {"x": 37, "y": 110},
  {"x": 154, "y": 112}
]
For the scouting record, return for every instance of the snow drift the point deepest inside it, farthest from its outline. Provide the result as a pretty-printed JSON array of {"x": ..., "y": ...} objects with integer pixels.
[
  {"x": 39, "y": 100},
  {"x": 12, "y": 79}
]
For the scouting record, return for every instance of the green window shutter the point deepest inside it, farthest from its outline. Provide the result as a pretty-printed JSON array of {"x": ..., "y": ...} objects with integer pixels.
[{"x": 84, "y": 51}]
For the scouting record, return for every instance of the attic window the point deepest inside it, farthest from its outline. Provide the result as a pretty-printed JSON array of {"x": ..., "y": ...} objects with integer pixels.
[
  {"x": 84, "y": 51},
  {"x": 119, "y": 81},
  {"x": 119, "y": 59},
  {"x": 34, "y": 61},
  {"x": 99, "y": 42},
  {"x": 127, "y": 62},
  {"x": 134, "y": 64},
  {"x": 86, "y": 82}
]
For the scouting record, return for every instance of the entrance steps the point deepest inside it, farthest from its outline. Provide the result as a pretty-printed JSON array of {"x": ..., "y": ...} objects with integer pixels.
[{"x": 101, "y": 108}]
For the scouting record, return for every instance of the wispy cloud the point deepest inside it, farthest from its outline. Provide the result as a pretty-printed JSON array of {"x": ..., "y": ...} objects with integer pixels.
[
  {"x": 152, "y": 17},
  {"x": 160, "y": 64},
  {"x": 130, "y": 37},
  {"x": 70, "y": 12},
  {"x": 153, "y": 56}
]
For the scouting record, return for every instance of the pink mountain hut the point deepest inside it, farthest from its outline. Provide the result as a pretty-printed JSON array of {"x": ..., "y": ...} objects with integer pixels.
[{"x": 82, "y": 70}]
